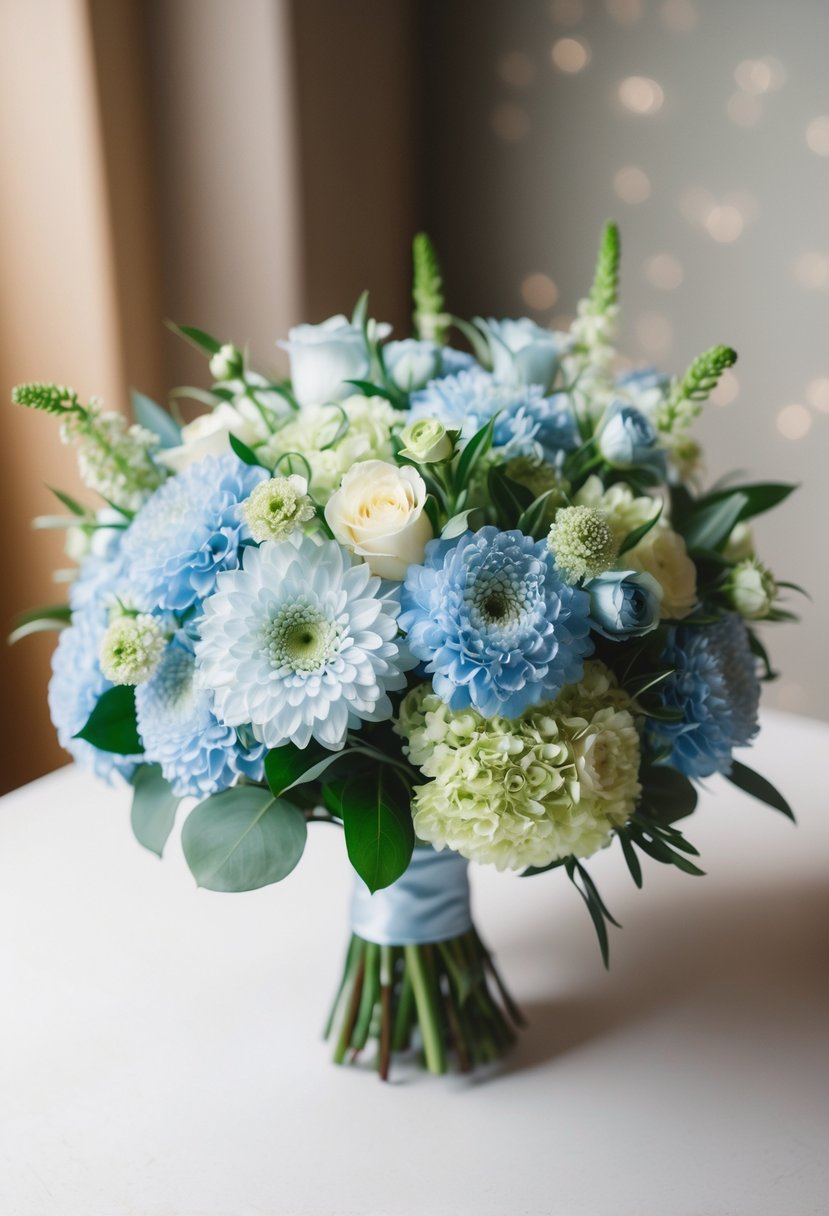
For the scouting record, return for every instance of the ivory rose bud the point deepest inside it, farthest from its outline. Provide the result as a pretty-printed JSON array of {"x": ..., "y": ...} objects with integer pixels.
[
  {"x": 751, "y": 588},
  {"x": 662, "y": 553},
  {"x": 426, "y": 441},
  {"x": 378, "y": 514}
]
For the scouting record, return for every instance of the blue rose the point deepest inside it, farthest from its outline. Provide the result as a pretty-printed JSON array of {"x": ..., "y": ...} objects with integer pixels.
[
  {"x": 624, "y": 604},
  {"x": 627, "y": 440},
  {"x": 525, "y": 353},
  {"x": 323, "y": 357}
]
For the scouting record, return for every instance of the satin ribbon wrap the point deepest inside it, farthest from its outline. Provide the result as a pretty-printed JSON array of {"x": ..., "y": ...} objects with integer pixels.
[{"x": 428, "y": 903}]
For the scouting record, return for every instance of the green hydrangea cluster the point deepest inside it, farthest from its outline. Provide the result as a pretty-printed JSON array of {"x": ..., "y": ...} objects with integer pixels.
[{"x": 528, "y": 792}]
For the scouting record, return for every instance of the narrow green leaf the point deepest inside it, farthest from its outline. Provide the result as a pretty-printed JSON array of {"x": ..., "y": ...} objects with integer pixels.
[
  {"x": 70, "y": 503},
  {"x": 197, "y": 337},
  {"x": 533, "y": 518},
  {"x": 156, "y": 419},
  {"x": 634, "y": 537},
  {"x": 242, "y": 839},
  {"x": 245, "y": 453},
  {"x": 479, "y": 344},
  {"x": 373, "y": 390},
  {"x": 359, "y": 317},
  {"x": 508, "y": 497},
  {"x": 39, "y": 624},
  {"x": 153, "y": 808},
  {"x": 761, "y": 496},
  {"x": 377, "y": 819},
  {"x": 630, "y": 858},
  {"x": 758, "y": 787},
  {"x": 711, "y": 524},
  {"x": 760, "y": 652},
  {"x": 473, "y": 453},
  {"x": 288, "y": 766},
  {"x": 112, "y": 725}
]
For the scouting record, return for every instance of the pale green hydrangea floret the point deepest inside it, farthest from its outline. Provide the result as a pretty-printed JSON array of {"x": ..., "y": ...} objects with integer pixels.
[
  {"x": 752, "y": 589},
  {"x": 131, "y": 649},
  {"x": 583, "y": 542},
  {"x": 597, "y": 689},
  {"x": 525, "y": 792},
  {"x": 276, "y": 508}
]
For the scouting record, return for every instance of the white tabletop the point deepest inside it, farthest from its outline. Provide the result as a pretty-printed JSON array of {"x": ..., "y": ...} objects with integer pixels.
[{"x": 161, "y": 1054}]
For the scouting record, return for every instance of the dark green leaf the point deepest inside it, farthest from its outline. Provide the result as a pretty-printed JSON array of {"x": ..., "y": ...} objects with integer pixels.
[
  {"x": 153, "y": 808},
  {"x": 533, "y": 518},
  {"x": 758, "y": 787},
  {"x": 760, "y": 652},
  {"x": 377, "y": 818},
  {"x": 598, "y": 912},
  {"x": 667, "y": 794},
  {"x": 712, "y": 524},
  {"x": 663, "y": 713},
  {"x": 509, "y": 498},
  {"x": 630, "y": 857},
  {"x": 197, "y": 336},
  {"x": 112, "y": 725},
  {"x": 531, "y": 871},
  {"x": 433, "y": 512},
  {"x": 155, "y": 419},
  {"x": 634, "y": 537},
  {"x": 373, "y": 390},
  {"x": 760, "y": 496},
  {"x": 242, "y": 839},
  {"x": 288, "y": 766},
  {"x": 244, "y": 452},
  {"x": 473, "y": 453},
  {"x": 70, "y": 503}
]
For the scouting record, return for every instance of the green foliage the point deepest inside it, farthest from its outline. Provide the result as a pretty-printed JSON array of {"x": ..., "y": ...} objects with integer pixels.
[
  {"x": 153, "y": 808},
  {"x": 604, "y": 293},
  {"x": 51, "y": 398},
  {"x": 758, "y": 787},
  {"x": 245, "y": 454},
  {"x": 112, "y": 725},
  {"x": 509, "y": 498},
  {"x": 196, "y": 337},
  {"x": 156, "y": 419},
  {"x": 242, "y": 839},
  {"x": 289, "y": 766},
  {"x": 687, "y": 394},
  {"x": 71, "y": 503},
  {"x": 599, "y": 914},
  {"x": 667, "y": 794},
  {"x": 634, "y": 537},
  {"x": 374, "y": 806},
  {"x": 40, "y": 620},
  {"x": 711, "y": 523},
  {"x": 430, "y": 320},
  {"x": 473, "y": 453}
]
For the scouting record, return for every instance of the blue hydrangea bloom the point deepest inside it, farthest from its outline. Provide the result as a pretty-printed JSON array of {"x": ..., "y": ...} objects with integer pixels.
[
  {"x": 198, "y": 754},
  {"x": 494, "y": 623},
  {"x": 716, "y": 687},
  {"x": 529, "y": 423},
  {"x": 188, "y": 531},
  {"x": 77, "y": 680},
  {"x": 643, "y": 380}
]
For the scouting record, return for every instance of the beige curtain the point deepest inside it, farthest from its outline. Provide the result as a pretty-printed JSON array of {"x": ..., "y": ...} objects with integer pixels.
[{"x": 233, "y": 165}]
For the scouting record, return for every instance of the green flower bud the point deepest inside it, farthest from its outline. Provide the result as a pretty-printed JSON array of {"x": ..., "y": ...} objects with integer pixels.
[
  {"x": 583, "y": 542},
  {"x": 277, "y": 507},
  {"x": 426, "y": 441},
  {"x": 131, "y": 649},
  {"x": 227, "y": 363},
  {"x": 751, "y": 589}
]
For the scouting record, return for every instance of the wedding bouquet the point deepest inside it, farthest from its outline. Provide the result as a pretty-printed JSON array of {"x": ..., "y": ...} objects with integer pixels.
[{"x": 470, "y": 605}]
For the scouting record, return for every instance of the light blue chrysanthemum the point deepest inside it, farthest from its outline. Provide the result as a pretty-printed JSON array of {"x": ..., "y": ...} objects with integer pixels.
[
  {"x": 301, "y": 643},
  {"x": 716, "y": 687},
  {"x": 529, "y": 424},
  {"x": 198, "y": 754},
  {"x": 77, "y": 680},
  {"x": 189, "y": 530},
  {"x": 494, "y": 622}
]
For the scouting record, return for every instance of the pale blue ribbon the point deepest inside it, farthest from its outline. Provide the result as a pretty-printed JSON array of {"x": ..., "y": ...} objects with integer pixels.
[{"x": 428, "y": 903}]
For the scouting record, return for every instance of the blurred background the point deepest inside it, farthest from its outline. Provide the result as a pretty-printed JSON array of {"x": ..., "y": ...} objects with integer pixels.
[{"x": 242, "y": 166}]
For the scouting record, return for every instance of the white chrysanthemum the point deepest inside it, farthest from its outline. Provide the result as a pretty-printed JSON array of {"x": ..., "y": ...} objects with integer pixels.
[
  {"x": 583, "y": 542},
  {"x": 625, "y": 511},
  {"x": 520, "y": 793},
  {"x": 131, "y": 649},
  {"x": 334, "y": 437},
  {"x": 300, "y": 644},
  {"x": 276, "y": 508}
]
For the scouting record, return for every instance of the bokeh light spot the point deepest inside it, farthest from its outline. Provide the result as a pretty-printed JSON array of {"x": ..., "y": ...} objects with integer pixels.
[
  {"x": 811, "y": 270},
  {"x": 817, "y": 394},
  {"x": 654, "y": 333},
  {"x": 794, "y": 421},
  {"x": 539, "y": 292},
  {"x": 570, "y": 54},
  {"x": 664, "y": 271},
  {"x": 516, "y": 69},
  {"x": 510, "y": 122},
  {"x": 626, "y": 12},
  {"x": 631, "y": 185},
  {"x": 727, "y": 390},
  {"x": 567, "y": 12},
  {"x": 641, "y": 95},
  {"x": 679, "y": 15},
  {"x": 817, "y": 135},
  {"x": 724, "y": 223}
]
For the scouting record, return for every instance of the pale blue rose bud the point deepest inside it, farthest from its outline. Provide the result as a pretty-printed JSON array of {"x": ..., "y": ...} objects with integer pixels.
[
  {"x": 411, "y": 364},
  {"x": 525, "y": 353},
  {"x": 324, "y": 357},
  {"x": 624, "y": 604},
  {"x": 628, "y": 440}
]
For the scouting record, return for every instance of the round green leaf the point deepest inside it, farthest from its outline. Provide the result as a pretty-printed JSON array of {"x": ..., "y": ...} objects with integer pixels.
[
  {"x": 153, "y": 808},
  {"x": 242, "y": 839}
]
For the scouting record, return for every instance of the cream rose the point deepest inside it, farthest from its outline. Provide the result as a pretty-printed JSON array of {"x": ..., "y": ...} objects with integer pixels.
[
  {"x": 207, "y": 435},
  {"x": 378, "y": 513},
  {"x": 662, "y": 553}
]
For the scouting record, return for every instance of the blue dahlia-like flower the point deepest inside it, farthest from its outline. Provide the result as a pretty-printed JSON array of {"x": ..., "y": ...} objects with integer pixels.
[
  {"x": 494, "y": 622},
  {"x": 301, "y": 643},
  {"x": 77, "y": 680},
  {"x": 188, "y": 531},
  {"x": 715, "y": 685},
  {"x": 528, "y": 424},
  {"x": 198, "y": 754}
]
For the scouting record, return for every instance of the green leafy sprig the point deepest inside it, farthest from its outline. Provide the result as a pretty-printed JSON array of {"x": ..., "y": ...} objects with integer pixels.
[
  {"x": 430, "y": 319},
  {"x": 604, "y": 293},
  {"x": 688, "y": 393}
]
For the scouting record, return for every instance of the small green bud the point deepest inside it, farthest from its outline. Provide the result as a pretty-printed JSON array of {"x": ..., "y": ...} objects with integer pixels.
[
  {"x": 227, "y": 363},
  {"x": 276, "y": 508},
  {"x": 751, "y": 589},
  {"x": 426, "y": 441}
]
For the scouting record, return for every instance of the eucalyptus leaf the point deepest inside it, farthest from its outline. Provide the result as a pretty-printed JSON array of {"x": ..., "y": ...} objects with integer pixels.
[
  {"x": 377, "y": 819},
  {"x": 156, "y": 419},
  {"x": 242, "y": 839},
  {"x": 153, "y": 808},
  {"x": 112, "y": 725},
  {"x": 758, "y": 787}
]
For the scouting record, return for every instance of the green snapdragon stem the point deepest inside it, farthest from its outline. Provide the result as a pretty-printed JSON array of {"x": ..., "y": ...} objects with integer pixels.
[{"x": 439, "y": 993}]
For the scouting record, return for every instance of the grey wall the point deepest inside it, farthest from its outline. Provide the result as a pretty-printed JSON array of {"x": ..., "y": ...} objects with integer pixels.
[{"x": 730, "y": 244}]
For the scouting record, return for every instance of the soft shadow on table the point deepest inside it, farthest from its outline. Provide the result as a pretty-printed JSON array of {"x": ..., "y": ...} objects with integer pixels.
[{"x": 749, "y": 948}]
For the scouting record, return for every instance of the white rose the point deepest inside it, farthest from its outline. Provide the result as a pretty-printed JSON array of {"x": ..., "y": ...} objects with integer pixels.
[
  {"x": 662, "y": 553},
  {"x": 207, "y": 435},
  {"x": 378, "y": 513},
  {"x": 323, "y": 357}
]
